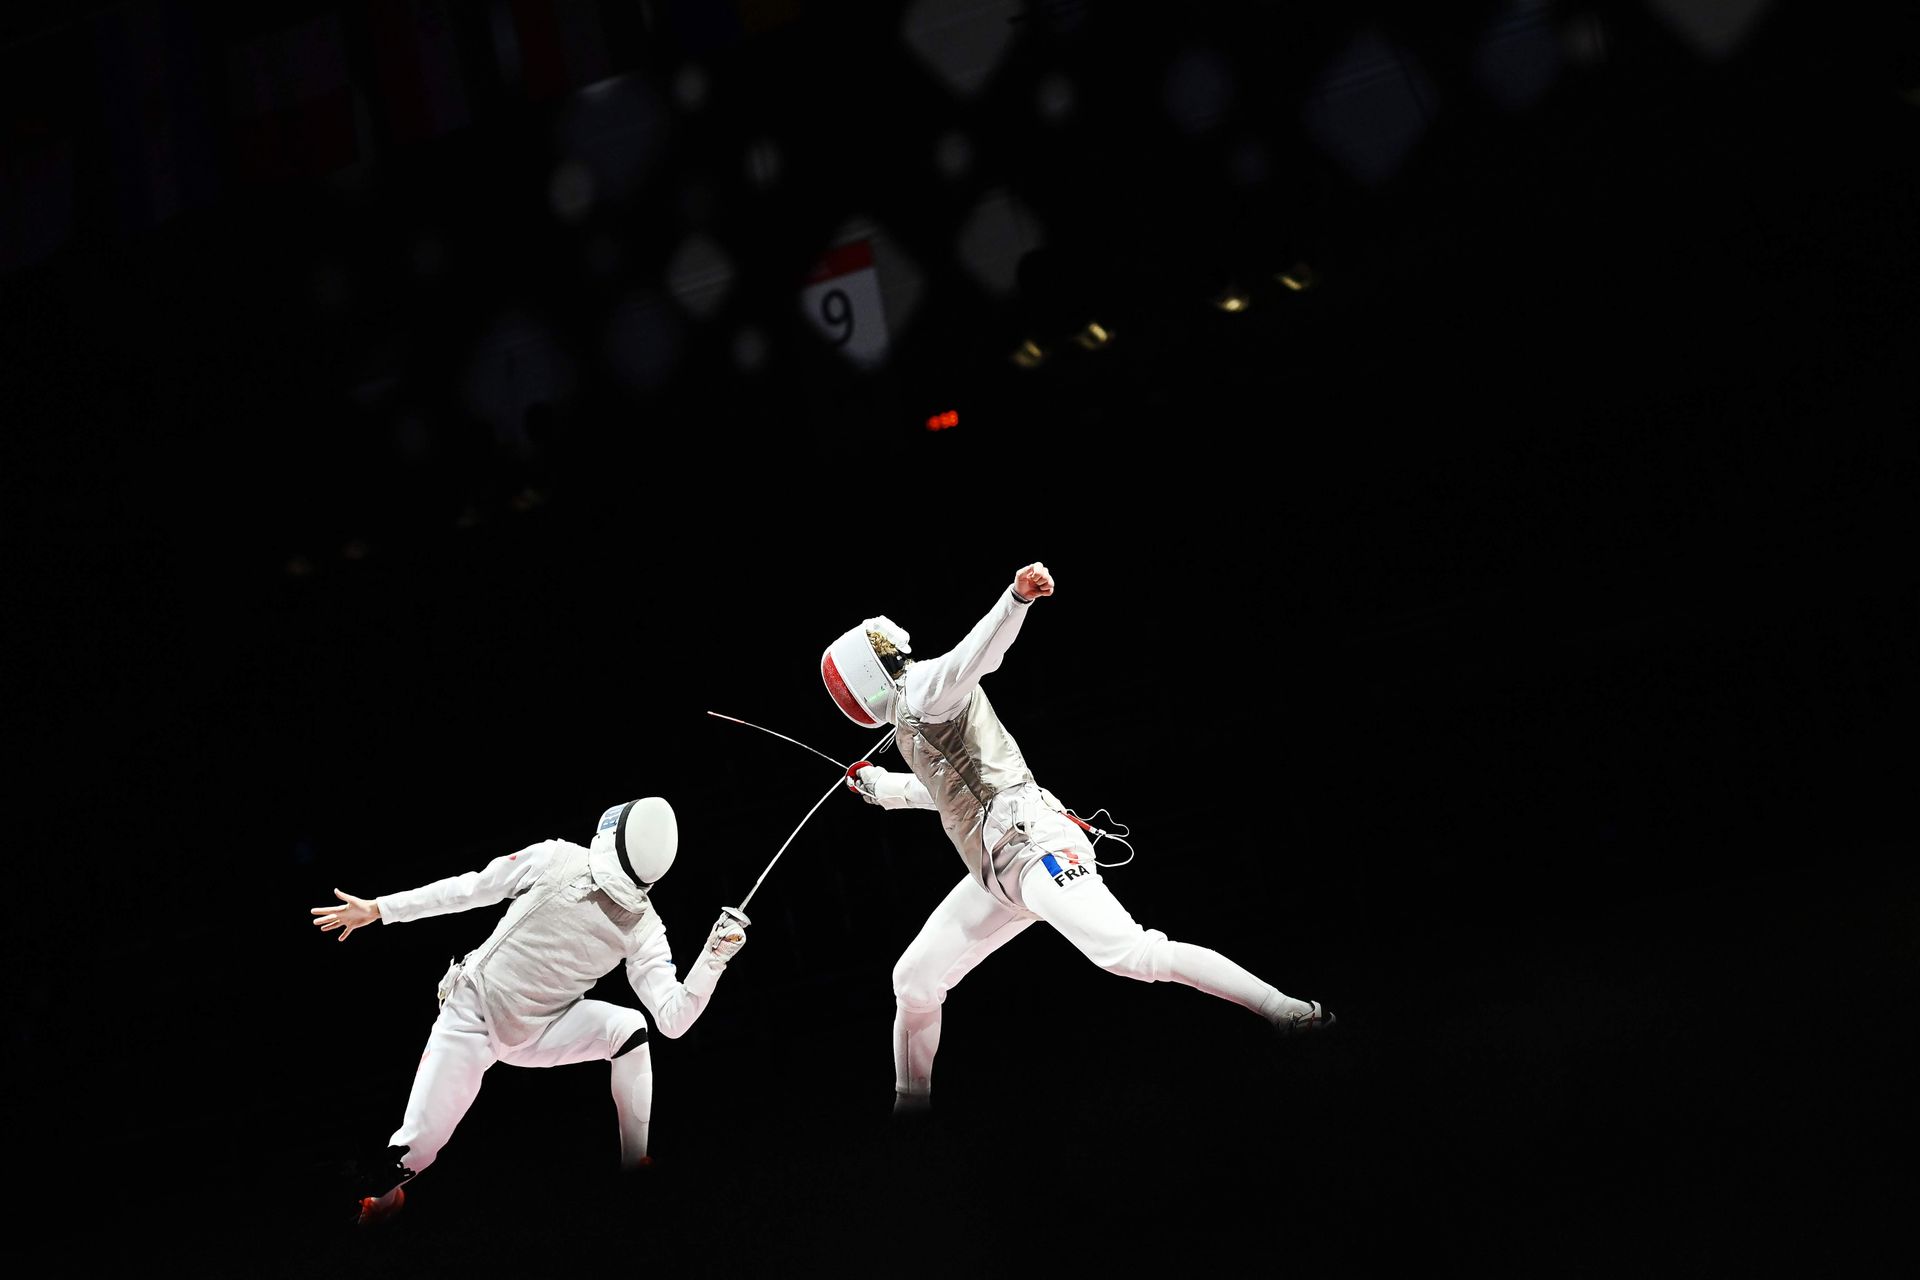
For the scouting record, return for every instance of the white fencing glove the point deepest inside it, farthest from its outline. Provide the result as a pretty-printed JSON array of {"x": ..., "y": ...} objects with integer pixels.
[
  {"x": 887, "y": 788},
  {"x": 861, "y": 775},
  {"x": 724, "y": 940}
]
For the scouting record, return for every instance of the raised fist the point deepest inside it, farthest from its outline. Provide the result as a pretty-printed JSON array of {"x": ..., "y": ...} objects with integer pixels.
[{"x": 1033, "y": 582}]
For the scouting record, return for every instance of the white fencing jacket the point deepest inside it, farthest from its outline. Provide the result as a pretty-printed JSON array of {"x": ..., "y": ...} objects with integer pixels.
[
  {"x": 962, "y": 758},
  {"x": 560, "y": 936}
]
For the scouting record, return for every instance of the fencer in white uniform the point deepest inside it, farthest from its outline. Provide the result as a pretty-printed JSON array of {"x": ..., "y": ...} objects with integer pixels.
[
  {"x": 520, "y": 997},
  {"x": 1026, "y": 858}
]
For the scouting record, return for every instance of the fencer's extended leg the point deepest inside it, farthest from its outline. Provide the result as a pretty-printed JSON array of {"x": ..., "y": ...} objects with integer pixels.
[
  {"x": 1085, "y": 912},
  {"x": 633, "y": 1098},
  {"x": 444, "y": 1086},
  {"x": 964, "y": 929}
]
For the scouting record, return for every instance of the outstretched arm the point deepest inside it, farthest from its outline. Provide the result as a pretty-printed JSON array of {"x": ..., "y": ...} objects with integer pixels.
[
  {"x": 674, "y": 1004},
  {"x": 504, "y": 877},
  {"x": 938, "y": 689}
]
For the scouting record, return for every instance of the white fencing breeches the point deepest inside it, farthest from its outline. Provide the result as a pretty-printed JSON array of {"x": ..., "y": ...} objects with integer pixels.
[
  {"x": 459, "y": 1052},
  {"x": 963, "y": 930},
  {"x": 633, "y": 1102},
  {"x": 1060, "y": 885}
]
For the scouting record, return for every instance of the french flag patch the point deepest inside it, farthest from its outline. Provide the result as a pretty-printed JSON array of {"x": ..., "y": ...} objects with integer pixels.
[{"x": 1063, "y": 866}]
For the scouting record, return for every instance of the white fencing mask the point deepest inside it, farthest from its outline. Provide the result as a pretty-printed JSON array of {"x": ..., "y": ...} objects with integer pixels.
[
  {"x": 859, "y": 679},
  {"x": 633, "y": 847}
]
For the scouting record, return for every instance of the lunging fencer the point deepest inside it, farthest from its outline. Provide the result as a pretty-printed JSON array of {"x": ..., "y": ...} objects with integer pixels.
[
  {"x": 520, "y": 997},
  {"x": 1027, "y": 858}
]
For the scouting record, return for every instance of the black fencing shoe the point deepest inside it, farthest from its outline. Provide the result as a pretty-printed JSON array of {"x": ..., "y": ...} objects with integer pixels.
[{"x": 1314, "y": 1018}]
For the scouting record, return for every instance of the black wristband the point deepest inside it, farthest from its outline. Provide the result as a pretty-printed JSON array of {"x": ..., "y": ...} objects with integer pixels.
[{"x": 1017, "y": 596}]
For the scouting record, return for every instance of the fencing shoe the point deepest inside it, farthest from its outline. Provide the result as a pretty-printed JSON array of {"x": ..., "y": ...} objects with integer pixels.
[
  {"x": 377, "y": 1210},
  {"x": 1313, "y": 1017}
]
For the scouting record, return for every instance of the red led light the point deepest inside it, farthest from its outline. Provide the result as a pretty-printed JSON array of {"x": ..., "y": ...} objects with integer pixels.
[{"x": 941, "y": 421}]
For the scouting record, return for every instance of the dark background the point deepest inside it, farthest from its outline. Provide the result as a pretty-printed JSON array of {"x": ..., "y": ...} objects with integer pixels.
[{"x": 1505, "y": 640}]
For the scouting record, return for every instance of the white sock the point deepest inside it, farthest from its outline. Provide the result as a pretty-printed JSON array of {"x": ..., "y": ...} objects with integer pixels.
[{"x": 916, "y": 1038}]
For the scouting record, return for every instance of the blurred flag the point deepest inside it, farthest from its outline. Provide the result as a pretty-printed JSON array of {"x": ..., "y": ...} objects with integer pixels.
[
  {"x": 155, "y": 107},
  {"x": 293, "y": 102},
  {"x": 559, "y": 46},
  {"x": 708, "y": 26},
  {"x": 417, "y": 62},
  {"x": 36, "y": 152}
]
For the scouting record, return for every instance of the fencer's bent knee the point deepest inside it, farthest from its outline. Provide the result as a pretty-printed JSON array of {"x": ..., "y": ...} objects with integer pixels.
[
  {"x": 634, "y": 1041},
  {"x": 914, "y": 987},
  {"x": 635, "y": 1028}
]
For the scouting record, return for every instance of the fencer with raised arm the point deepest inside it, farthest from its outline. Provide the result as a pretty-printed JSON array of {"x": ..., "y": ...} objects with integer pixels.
[{"x": 1026, "y": 857}]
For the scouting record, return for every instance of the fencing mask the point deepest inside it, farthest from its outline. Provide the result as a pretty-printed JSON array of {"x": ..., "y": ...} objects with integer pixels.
[
  {"x": 633, "y": 847},
  {"x": 859, "y": 673}
]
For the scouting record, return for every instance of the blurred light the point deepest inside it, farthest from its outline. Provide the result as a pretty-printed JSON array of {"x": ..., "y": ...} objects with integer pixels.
[
  {"x": 749, "y": 349},
  {"x": 1199, "y": 86},
  {"x": 1233, "y": 299},
  {"x": 941, "y": 421},
  {"x": 690, "y": 87},
  {"x": 1029, "y": 354},
  {"x": 699, "y": 275},
  {"x": 953, "y": 154},
  {"x": 527, "y": 500},
  {"x": 1584, "y": 39},
  {"x": 617, "y": 133},
  {"x": 1299, "y": 277},
  {"x": 604, "y": 87},
  {"x": 1519, "y": 56},
  {"x": 763, "y": 163},
  {"x": 570, "y": 191},
  {"x": 516, "y": 363},
  {"x": 356, "y": 549},
  {"x": 961, "y": 41},
  {"x": 1714, "y": 27},
  {"x": 1369, "y": 107},
  {"x": 1093, "y": 337},
  {"x": 998, "y": 231},
  {"x": 1054, "y": 98},
  {"x": 299, "y": 567}
]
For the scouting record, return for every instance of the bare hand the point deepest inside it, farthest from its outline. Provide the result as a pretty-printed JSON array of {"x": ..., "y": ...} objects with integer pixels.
[
  {"x": 356, "y": 912},
  {"x": 1033, "y": 581}
]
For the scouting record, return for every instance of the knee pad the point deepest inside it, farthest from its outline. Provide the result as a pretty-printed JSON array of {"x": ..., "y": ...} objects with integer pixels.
[{"x": 629, "y": 1069}]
